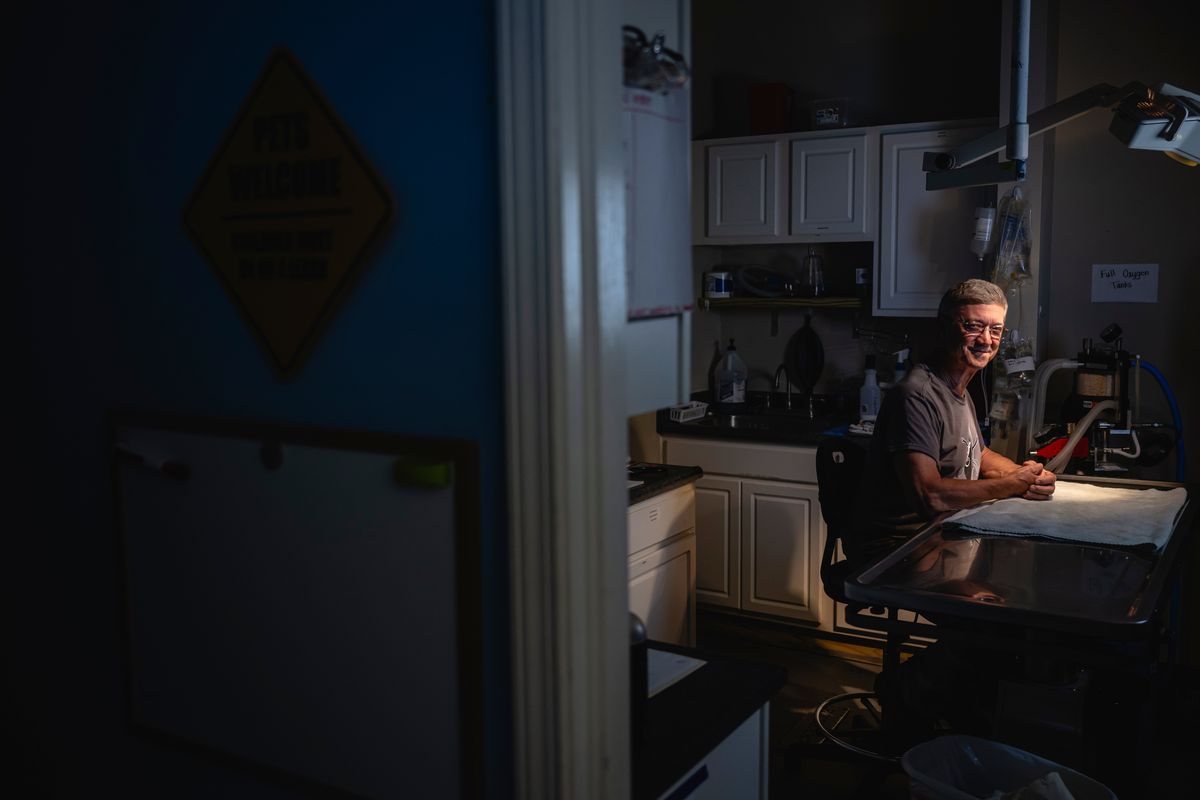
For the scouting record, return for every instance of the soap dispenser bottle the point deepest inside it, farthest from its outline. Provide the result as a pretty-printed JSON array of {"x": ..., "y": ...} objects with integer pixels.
[
  {"x": 731, "y": 380},
  {"x": 868, "y": 395},
  {"x": 901, "y": 368}
]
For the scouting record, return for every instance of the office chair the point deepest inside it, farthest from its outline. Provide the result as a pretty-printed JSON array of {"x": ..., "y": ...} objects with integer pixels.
[{"x": 840, "y": 464}]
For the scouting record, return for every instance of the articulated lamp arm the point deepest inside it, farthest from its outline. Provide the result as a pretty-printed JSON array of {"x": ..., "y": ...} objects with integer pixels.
[
  {"x": 1163, "y": 118},
  {"x": 957, "y": 168}
]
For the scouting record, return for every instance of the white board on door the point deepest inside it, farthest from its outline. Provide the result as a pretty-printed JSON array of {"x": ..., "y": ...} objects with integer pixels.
[{"x": 295, "y": 598}]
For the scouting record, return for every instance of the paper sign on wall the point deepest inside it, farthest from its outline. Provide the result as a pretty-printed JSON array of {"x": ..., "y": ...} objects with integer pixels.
[{"x": 1124, "y": 283}]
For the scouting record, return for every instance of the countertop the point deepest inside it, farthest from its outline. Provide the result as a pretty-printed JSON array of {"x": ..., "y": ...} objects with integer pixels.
[
  {"x": 686, "y": 720},
  {"x": 764, "y": 419},
  {"x": 659, "y": 478}
]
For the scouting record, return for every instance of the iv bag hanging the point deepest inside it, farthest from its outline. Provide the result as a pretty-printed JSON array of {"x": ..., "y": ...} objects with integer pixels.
[{"x": 1014, "y": 245}]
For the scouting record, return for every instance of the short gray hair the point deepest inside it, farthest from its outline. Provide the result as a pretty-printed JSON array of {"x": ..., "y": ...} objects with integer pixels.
[{"x": 973, "y": 292}]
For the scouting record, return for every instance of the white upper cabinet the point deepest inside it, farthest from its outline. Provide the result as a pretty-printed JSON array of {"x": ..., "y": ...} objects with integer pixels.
[
  {"x": 829, "y": 186},
  {"x": 806, "y": 187},
  {"x": 923, "y": 235},
  {"x": 742, "y": 190},
  {"x": 849, "y": 185}
]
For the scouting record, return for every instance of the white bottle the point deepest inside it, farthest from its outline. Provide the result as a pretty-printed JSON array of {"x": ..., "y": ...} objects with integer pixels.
[
  {"x": 868, "y": 395},
  {"x": 981, "y": 242},
  {"x": 901, "y": 368},
  {"x": 731, "y": 379},
  {"x": 812, "y": 275}
]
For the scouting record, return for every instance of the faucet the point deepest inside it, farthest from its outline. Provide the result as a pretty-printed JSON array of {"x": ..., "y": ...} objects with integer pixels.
[{"x": 782, "y": 370}]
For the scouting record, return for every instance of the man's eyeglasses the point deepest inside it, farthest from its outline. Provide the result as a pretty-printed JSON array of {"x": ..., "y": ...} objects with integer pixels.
[{"x": 976, "y": 328}]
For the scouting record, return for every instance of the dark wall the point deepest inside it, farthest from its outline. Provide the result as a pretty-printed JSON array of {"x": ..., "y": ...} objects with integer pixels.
[
  {"x": 111, "y": 112},
  {"x": 1112, "y": 205},
  {"x": 895, "y": 62}
]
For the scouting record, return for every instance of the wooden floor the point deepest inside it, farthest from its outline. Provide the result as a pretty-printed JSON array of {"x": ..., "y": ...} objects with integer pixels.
[
  {"x": 819, "y": 668},
  {"x": 800, "y": 765}
]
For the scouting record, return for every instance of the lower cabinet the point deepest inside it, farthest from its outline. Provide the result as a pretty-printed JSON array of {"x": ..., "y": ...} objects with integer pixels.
[
  {"x": 719, "y": 541},
  {"x": 662, "y": 565},
  {"x": 759, "y": 541},
  {"x": 737, "y": 767},
  {"x": 758, "y": 547},
  {"x": 661, "y": 583}
]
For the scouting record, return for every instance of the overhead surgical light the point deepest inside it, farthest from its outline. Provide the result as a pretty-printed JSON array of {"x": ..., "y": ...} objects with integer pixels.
[{"x": 1163, "y": 117}]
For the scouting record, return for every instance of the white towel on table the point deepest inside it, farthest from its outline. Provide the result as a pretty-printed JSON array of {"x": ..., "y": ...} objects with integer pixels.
[{"x": 1081, "y": 512}]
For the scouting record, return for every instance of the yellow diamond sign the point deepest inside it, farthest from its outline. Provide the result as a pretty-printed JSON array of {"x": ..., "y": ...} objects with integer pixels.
[{"x": 287, "y": 210}]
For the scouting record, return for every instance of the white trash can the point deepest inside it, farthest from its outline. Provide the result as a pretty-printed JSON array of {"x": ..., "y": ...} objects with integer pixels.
[{"x": 967, "y": 768}]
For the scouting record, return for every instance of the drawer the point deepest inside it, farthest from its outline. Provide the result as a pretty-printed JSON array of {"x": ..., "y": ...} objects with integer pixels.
[
  {"x": 752, "y": 460},
  {"x": 658, "y": 518}
]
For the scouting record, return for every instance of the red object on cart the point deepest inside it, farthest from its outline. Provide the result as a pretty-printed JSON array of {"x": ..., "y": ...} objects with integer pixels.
[{"x": 1055, "y": 446}]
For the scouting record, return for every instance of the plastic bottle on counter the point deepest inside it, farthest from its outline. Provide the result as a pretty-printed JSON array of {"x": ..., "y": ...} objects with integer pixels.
[
  {"x": 731, "y": 380},
  {"x": 901, "y": 368},
  {"x": 713, "y": 363},
  {"x": 868, "y": 395}
]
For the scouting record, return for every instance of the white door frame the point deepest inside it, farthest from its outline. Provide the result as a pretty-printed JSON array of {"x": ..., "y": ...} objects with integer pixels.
[{"x": 563, "y": 231}]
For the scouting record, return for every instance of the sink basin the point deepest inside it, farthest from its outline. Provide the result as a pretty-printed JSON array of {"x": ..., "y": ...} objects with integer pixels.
[
  {"x": 772, "y": 421},
  {"x": 752, "y": 422},
  {"x": 799, "y": 410},
  {"x": 766, "y": 418}
]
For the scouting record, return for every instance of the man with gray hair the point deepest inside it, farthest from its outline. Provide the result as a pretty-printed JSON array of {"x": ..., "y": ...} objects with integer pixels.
[{"x": 927, "y": 457}]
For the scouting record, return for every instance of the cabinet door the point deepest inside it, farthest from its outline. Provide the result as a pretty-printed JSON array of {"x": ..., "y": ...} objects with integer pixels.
[
  {"x": 718, "y": 541},
  {"x": 742, "y": 192},
  {"x": 737, "y": 767},
  {"x": 923, "y": 235},
  {"x": 662, "y": 587},
  {"x": 829, "y": 185},
  {"x": 781, "y": 550}
]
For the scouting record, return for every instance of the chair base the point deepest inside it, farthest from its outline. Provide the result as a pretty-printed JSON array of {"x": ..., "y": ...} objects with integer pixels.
[{"x": 869, "y": 703}]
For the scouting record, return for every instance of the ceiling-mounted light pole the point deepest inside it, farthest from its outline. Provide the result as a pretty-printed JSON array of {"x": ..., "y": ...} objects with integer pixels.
[{"x": 1018, "y": 125}]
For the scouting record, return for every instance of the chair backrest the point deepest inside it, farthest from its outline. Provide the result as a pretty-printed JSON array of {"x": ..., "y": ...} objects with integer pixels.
[{"x": 840, "y": 464}]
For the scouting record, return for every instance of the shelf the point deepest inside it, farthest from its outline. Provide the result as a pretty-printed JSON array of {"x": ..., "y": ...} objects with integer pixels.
[{"x": 779, "y": 303}]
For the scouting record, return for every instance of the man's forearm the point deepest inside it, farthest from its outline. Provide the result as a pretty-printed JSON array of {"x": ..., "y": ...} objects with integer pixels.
[
  {"x": 994, "y": 465},
  {"x": 931, "y": 494},
  {"x": 951, "y": 494}
]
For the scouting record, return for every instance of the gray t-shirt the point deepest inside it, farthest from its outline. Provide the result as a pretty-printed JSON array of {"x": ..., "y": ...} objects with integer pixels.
[{"x": 920, "y": 414}]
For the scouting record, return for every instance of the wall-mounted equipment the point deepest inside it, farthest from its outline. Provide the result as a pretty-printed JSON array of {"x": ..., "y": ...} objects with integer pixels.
[
  {"x": 1160, "y": 117},
  {"x": 1101, "y": 430}
]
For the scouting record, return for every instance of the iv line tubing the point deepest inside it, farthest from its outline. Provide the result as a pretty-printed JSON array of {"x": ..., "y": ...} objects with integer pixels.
[
  {"x": 1041, "y": 380},
  {"x": 1059, "y": 461},
  {"x": 1180, "y": 457},
  {"x": 1137, "y": 447}
]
